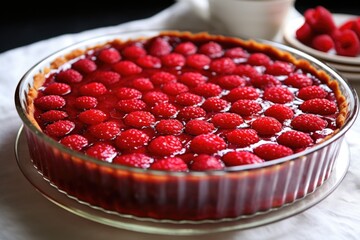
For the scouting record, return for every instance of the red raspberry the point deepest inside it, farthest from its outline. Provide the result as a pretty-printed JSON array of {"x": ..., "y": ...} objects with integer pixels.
[
  {"x": 319, "y": 106},
  {"x": 159, "y": 47},
  {"x": 106, "y": 77},
  {"x": 266, "y": 126},
  {"x": 149, "y": 61},
  {"x": 223, "y": 65},
  {"x": 271, "y": 151},
  {"x": 131, "y": 139},
  {"x": 322, "y": 42},
  {"x": 57, "y": 89},
  {"x": 138, "y": 160},
  {"x": 240, "y": 158},
  {"x": 304, "y": 33},
  {"x": 165, "y": 110},
  {"x": 133, "y": 52},
  {"x": 75, "y": 142},
  {"x": 102, "y": 151},
  {"x": 265, "y": 81},
  {"x": 204, "y": 162},
  {"x": 94, "y": 89},
  {"x": 165, "y": 145},
  {"x": 169, "y": 127},
  {"x": 142, "y": 84},
  {"x": 308, "y": 123},
  {"x": 279, "y": 68},
  {"x": 128, "y": 93},
  {"x": 160, "y": 78},
  {"x": 207, "y": 143},
  {"x": 59, "y": 128},
  {"x": 153, "y": 98},
  {"x": 198, "y": 61},
  {"x": 279, "y": 112},
  {"x": 320, "y": 20},
  {"x": 105, "y": 130},
  {"x": 109, "y": 55},
  {"x": 84, "y": 66},
  {"x": 188, "y": 99},
  {"x": 242, "y": 137},
  {"x": 53, "y": 116},
  {"x": 186, "y": 48},
  {"x": 130, "y": 105},
  {"x": 127, "y": 68},
  {"x": 352, "y": 24},
  {"x": 278, "y": 95},
  {"x": 295, "y": 139},
  {"x": 192, "y": 79},
  {"x": 249, "y": 93},
  {"x": 86, "y": 102},
  {"x": 69, "y": 76},
  {"x": 215, "y": 104},
  {"x": 245, "y": 107},
  {"x": 227, "y": 120},
  {"x": 191, "y": 112},
  {"x": 236, "y": 52},
  {"x": 197, "y": 127},
  {"x": 311, "y": 92},
  {"x": 298, "y": 80},
  {"x": 208, "y": 90},
  {"x": 173, "y": 60},
  {"x": 259, "y": 59},
  {"x": 173, "y": 164},
  {"x": 139, "y": 119},
  {"x": 50, "y": 102},
  {"x": 211, "y": 49},
  {"x": 245, "y": 70},
  {"x": 92, "y": 116},
  {"x": 174, "y": 88},
  {"x": 347, "y": 43},
  {"x": 231, "y": 81}
]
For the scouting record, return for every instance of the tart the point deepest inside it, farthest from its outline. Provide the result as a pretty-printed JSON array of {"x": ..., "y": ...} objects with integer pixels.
[{"x": 182, "y": 126}]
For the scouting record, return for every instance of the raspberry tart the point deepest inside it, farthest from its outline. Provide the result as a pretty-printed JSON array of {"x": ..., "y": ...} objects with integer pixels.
[{"x": 183, "y": 126}]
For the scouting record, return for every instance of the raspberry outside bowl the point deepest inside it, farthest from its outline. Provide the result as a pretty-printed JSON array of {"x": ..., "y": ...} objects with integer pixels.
[{"x": 193, "y": 196}]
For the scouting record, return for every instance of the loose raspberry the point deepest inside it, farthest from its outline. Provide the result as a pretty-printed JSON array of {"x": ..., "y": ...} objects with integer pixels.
[
  {"x": 319, "y": 106},
  {"x": 322, "y": 42},
  {"x": 188, "y": 99},
  {"x": 69, "y": 76},
  {"x": 165, "y": 145},
  {"x": 249, "y": 93},
  {"x": 259, "y": 59},
  {"x": 102, "y": 151},
  {"x": 245, "y": 107},
  {"x": 173, "y": 164},
  {"x": 197, "y": 127},
  {"x": 165, "y": 110},
  {"x": 139, "y": 119},
  {"x": 127, "y": 68},
  {"x": 149, "y": 61},
  {"x": 271, "y": 151},
  {"x": 142, "y": 84},
  {"x": 265, "y": 81},
  {"x": 138, "y": 160},
  {"x": 308, "y": 123},
  {"x": 106, "y": 77},
  {"x": 94, "y": 89},
  {"x": 311, "y": 92},
  {"x": 279, "y": 112},
  {"x": 298, "y": 80},
  {"x": 204, "y": 162},
  {"x": 59, "y": 128},
  {"x": 231, "y": 81},
  {"x": 130, "y": 105},
  {"x": 105, "y": 130},
  {"x": 53, "y": 116},
  {"x": 109, "y": 55},
  {"x": 174, "y": 88},
  {"x": 153, "y": 98},
  {"x": 86, "y": 102},
  {"x": 304, "y": 33},
  {"x": 92, "y": 116},
  {"x": 160, "y": 78},
  {"x": 169, "y": 127},
  {"x": 223, "y": 65},
  {"x": 246, "y": 70},
  {"x": 132, "y": 139},
  {"x": 236, "y": 52},
  {"x": 192, "y": 79},
  {"x": 84, "y": 66},
  {"x": 266, "y": 126},
  {"x": 215, "y": 104},
  {"x": 191, "y": 112},
  {"x": 173, "y": 60},
  {"x": 211, "y": 49},
  {"x": 279, "y": 68},
  {"x": 159, "y": 47},
  {"x": 127, "y": 93},
  {"x": 227, "y": 120},
  {"x": 198, "y": 61},
  {"x": 75, "y": 142},
  {"x": 295, "y": 139},
  {"x": 240, "y": 158},
  {"x": 50, "y": 102},
  {"x": 242, "y": 137},
  {"x": 320, "y": 19},
  {"x": 186, "y": 48},
  {"x": 57, "y": 89},
  {"x": 207, "y": 143},
  {"x": 133, "y": 52},
  {"x": 347, "y": 43},
  {"x": 278, "y": 95},
  {"x": 208, "y": 90}
]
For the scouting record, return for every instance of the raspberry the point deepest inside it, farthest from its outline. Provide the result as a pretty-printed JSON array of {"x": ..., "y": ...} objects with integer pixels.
[
  {"x": 169, "y": 127},
  {"x": 271, "y": 151},
  {"x": 308, "y": 123},
  {"x": 173, "y": 164},
  {"x": 198, "y": 61},
  {"x": 165, "y": 145},
  {"x": 192, "y": 79},
  {"x": 86, "y": 102},
  {"x": 69, "y": 76},
  {"x": 207, "y": 143},
  {"x": 92, "y": 116},
  {"x": 215, "y": 104},
  {"x": 186, "y": 48},
  {"x": 131, "y": 139},
  {"x": 266, "y": 126},
  {"x": 59, "y": 128},
  {"x": 347, "y": 43},
  {"x": 304, "y": 33},
  {"x": 265, "y": 81},
  {"x": 50, "y": 102},
  {"x": 240, "y": 158},
  {"x": 109, "y": 55},
  {"x": 127, "y": 68},
  {"x": 259, "y": 59},
  {"x": 173, "y": 60},
  {"x": 149, "y": 61},
  {"x": 245, "y": 107},
  {"x": 138, "y": 160},
  {"x": 204, "y": 162},
  {"x": 84, "y": 66},
  {"x": 197, "y": 127},
  {"x": 208, "y": 90},
  {"x": 230, "y": 81},
  {"x": 94, "y": 89},
  {"x": 320, "y": 20},
  {"x": 159, "y": 47},
  {"x": 319, "y": 106},
  {"x": 142, "y": 84},
  {"x": 279, "y": 112},
  {"x": 74, "y": 141},
  {"x": 153, "y": 98},
  {"x": 278, "y": 95},
  {"x": 311, "y": 92},
  {"x": 211, "y": 49},
  {"x": 53, "y": 116},
  {"x": 352, "y": 24},
  {"x": 165, "y": 109},
  {"x": 128, "y": 93},
  {"x": 191, "y": 112},
  {"x": 279, "y": 68},
  {"x": 133, "y": 52},
  {"x": 227, "y": 120},
  {"x": 106, "y": 77},
  {"x": 105, "y": 130},
  {"x": 160, "y": 78},
  {"x": 57, "y": 89},
  {"x": 246, "y": 70},
  {"x": 130, "y": 105},
  {"x": 188, "y": 99},
  {"x": 322, "y": 42},
  {"x": 174, "y": 88},
  {"x": 236, "y": 52},
  {"x": 102, "y": 151},
  {"x": 295, "y": 139},
  {"x": 298, "y": 80},
  {"x": 249, "y": 93},
  {"x": 223, "y": 65},
  {"x": 139, "y": 119},
  {"x": 242, "y": 137}
]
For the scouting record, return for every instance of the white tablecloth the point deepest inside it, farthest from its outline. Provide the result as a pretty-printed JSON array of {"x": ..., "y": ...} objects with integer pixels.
[{"x": 26, "y": 214}]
